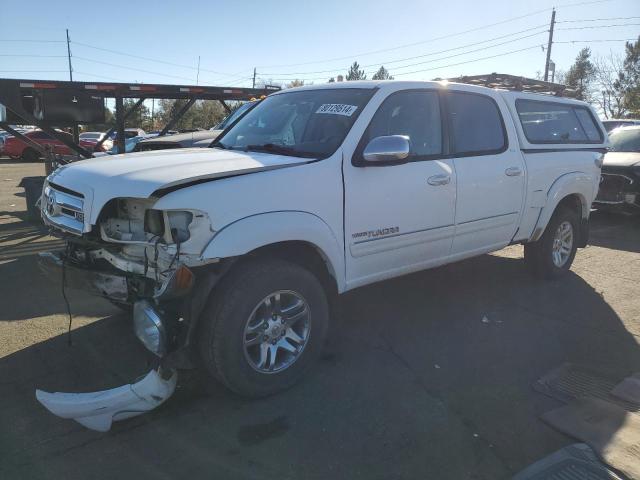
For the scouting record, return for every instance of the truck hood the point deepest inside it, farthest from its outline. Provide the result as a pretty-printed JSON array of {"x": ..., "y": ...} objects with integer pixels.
[
  {"x": 139, "y": 175},
  {"x": 621, "y": 159}
]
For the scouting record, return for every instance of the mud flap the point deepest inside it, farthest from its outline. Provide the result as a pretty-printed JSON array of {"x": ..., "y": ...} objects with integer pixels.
[{"x": 98, "y": 410}]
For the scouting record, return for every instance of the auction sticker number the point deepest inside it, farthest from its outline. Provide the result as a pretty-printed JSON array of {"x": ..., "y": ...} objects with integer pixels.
[{"x": 337, "y": 109}]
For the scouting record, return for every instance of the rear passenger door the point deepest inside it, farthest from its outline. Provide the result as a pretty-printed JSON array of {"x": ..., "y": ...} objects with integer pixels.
[{"x": 490, "y": 173}]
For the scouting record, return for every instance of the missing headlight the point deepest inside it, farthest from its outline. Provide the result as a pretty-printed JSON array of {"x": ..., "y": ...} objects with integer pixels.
[
  {"x": 154, "y": 222},
  {"x": 179, "y": 222}
]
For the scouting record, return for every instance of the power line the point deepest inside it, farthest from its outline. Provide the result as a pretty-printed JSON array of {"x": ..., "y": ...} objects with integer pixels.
[
  {"x": 599, "y": 40},
  {"x": 24, "y": 40},
  {"x": 482, "y": 27},
  {"x": 33, "y": 71},
  {"x": 132, "y": 68},
  {"x": 190, "y": 67},
  {"x": 31, "y": 55},
  {"x": 442, "y": 66},
  {"x": 601, "y": 26},
  {"x": 511, "y": 52},
  {"x": 101, "y": 76},
  {"x": 429, "y": 54},
  {"x": 596, "y": 19}
]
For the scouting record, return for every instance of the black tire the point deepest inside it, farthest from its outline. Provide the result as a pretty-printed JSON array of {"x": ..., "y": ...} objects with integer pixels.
[
  {"x": 539, "y": 255},
  {"x": 223, "y": 322},
  {"x": 30, "y": 155}
]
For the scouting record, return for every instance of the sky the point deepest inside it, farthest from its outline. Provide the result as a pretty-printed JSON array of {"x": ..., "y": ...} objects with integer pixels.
[{"x": 285, "y": 40}]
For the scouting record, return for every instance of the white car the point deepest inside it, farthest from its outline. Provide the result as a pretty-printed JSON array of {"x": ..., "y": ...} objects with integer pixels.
[{"x": 236, "y": 252}]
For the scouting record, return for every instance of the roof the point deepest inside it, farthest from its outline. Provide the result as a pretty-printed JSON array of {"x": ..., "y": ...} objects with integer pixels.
[{"x": 494, "y": 81}]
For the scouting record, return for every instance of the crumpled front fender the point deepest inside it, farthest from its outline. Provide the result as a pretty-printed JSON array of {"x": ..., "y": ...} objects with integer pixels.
[{"x": 98, "y": 410}]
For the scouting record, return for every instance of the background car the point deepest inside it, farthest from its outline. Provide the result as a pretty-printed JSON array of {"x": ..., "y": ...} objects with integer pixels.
[
  {"x": 202, "y": 138},
  {"x": 96, "y": 137},
  {"x": 4, "y": 135},
  {"x": 614, "y": 123},
  {"x": 620, "y": 179},
  {"x": 16, "y": 148}
]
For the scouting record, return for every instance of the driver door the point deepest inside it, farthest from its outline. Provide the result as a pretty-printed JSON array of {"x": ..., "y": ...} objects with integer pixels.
[{"x": 400, "y": 218}]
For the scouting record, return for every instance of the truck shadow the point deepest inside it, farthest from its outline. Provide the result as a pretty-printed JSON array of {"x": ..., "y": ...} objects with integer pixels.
[
  {"x": 428, "y": 375},
  {"x": 618, "y": 232}
]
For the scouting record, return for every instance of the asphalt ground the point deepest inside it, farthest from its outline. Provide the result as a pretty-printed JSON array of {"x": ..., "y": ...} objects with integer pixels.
[{"x": 426, "y": 376}]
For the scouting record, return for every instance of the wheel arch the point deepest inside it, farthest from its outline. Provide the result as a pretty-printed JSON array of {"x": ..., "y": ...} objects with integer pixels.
[
  {"x": 300, "y": 237},
  {"x": 574, "y": 191}
]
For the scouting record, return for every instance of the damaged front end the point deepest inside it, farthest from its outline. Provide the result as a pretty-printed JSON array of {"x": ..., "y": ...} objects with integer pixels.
[{"x": 145, "y": 260}]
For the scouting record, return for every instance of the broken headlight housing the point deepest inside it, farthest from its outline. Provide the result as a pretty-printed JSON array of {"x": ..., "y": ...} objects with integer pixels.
[
  {"x": 131, "y": 220},
  {"x": 173, "y": 224}
]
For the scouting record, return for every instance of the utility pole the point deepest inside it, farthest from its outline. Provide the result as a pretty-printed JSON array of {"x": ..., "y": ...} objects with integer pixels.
[
  {"x": 76, "y": 130},
  {"x": 254, "y": 77},
  {"x": 546, "y": 65},
  {"x": 198, "y": 75},
  {"x": 69, "y": 57}
]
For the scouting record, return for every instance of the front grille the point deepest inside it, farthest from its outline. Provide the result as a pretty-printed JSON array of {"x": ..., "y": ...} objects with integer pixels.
[
  {"x": 63, "y": 209},
  {"x": 612, "y": 188}
]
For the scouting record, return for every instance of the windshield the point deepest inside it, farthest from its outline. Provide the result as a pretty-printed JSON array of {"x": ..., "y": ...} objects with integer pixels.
[
  {"x": 234, "y": 115},
  {"x": 307, "y": 123},
  {"x": 625, "y": 140}
]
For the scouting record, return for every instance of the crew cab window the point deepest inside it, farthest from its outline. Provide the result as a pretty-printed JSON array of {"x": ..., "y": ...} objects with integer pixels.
[
  {"x": 552, "y": 122},
  {"x": 415, "y": 114},
  {"x": 476, "y": 124}
]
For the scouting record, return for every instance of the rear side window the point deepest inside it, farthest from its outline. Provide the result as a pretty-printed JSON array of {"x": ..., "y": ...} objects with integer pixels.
[
  {"x": 550, "y": 122},
  {"x": 476, "y": 124}
]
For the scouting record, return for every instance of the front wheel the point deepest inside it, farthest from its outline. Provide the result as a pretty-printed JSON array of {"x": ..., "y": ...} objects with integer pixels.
[
  {"x": 265, "y": 325},
  {"x": 552, "y": 255}
]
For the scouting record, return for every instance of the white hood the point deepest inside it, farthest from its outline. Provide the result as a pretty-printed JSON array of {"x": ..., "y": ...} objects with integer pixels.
[
  {"x": 138, "y": 175},
  {"x": 621, "y": 159}
]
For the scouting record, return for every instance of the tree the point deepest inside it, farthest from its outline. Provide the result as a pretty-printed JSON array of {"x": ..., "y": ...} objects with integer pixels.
[
  {"x": 355, "y": 73},
  {"x": 139, "y": 118},
  {"x": 629, "y": 78},
  {"x": 610, "y": 97},
  {"x": 581, "y": 74},
  {"x": 295, "y": 83},
  {"x": 332, "y": 80},
  {"x": 382, "y": 74},
  {"x": 202, "y": 114}
]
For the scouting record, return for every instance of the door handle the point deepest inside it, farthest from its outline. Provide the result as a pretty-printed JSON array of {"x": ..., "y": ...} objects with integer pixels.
[
  {"x": 513, "y": 172},
  {"x": 436, "y": 180}
]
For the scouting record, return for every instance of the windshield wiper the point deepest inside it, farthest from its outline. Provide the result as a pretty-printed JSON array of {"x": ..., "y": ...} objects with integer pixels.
[
  {"x": 217, "y": 144},
  {"x": 279, "y": 150}
]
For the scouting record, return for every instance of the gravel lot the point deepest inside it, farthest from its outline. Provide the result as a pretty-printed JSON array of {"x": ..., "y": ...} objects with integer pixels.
[{"x": 414, "y": 383}]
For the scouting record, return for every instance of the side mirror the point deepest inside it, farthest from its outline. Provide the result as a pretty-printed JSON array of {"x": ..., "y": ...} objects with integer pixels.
[{"x": 387, "y": 149}]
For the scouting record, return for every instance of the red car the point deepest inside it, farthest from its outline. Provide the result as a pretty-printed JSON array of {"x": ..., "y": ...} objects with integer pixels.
[{"x": 16, "y": 148}]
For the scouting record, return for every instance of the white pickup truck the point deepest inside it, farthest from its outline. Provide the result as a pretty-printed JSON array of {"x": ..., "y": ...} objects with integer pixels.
[{"x": 233, "y": 254}]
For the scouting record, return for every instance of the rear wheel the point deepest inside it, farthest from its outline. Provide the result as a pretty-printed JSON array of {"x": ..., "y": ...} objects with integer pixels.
[
  {"x": 265, "y": 325},
  {"x": 552, "y": 255},
  {"x": 30, "y": 155}
]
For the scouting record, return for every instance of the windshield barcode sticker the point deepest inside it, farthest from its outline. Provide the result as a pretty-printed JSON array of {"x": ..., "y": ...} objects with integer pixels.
[{"x": 337, "y": 109}]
